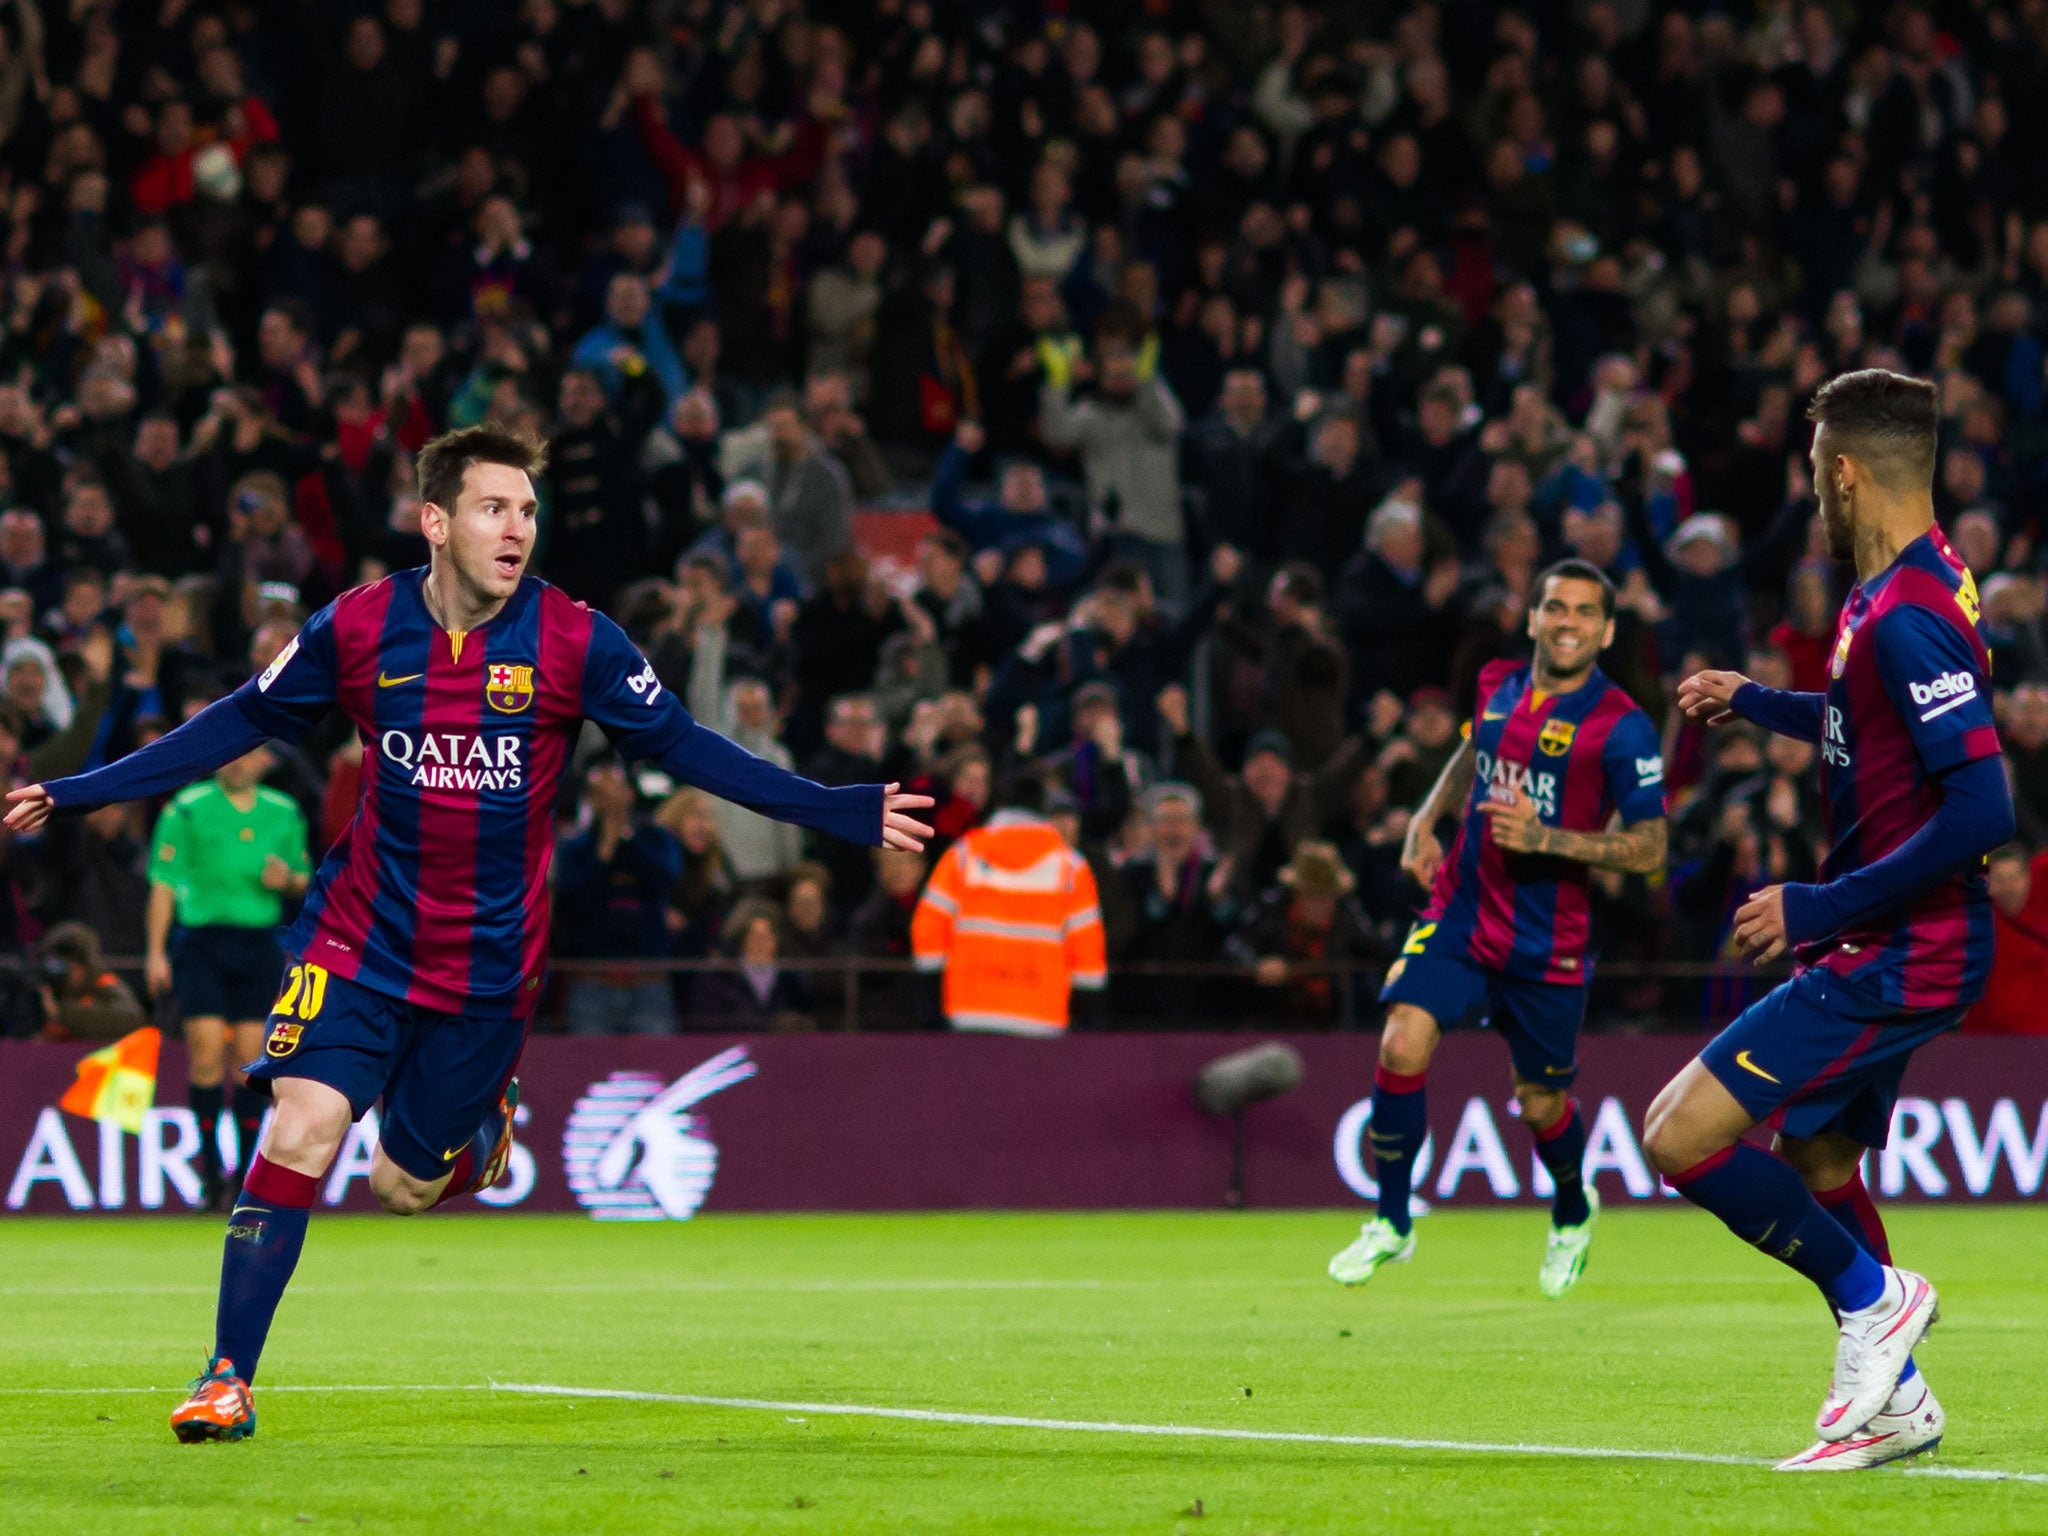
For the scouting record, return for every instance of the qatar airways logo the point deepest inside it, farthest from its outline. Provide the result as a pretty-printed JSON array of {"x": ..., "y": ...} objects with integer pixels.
[
  {"x": 1506, "y": 777},
  {"x": 456, "y": 760},
  {"x": 1834, "y": 741}
]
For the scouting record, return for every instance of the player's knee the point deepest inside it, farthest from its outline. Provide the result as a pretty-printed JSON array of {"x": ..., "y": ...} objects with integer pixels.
[
  {"x": 1407, "y": 1041},
  {"x": 1667, "y": 1143},
  {"x": 1821, "y": 1165},
  {"x": 1539, "y": 1107},
  {"x": 303, "y": 1142},
  {"x": 402, "y": 1197}
]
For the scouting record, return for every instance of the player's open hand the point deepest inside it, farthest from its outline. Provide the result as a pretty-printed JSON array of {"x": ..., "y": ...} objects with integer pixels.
[
  {"x": 28, "y": 807},
  {"x": 1760, "y": 925},
  {"x": 1516, "y": 826},
  {"x": 1709, "y": 696},
  {"x": 899, "y": 830}
]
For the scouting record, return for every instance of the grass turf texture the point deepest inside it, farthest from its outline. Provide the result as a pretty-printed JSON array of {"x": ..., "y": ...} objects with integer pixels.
[{"x": 1679, "y": 1338}]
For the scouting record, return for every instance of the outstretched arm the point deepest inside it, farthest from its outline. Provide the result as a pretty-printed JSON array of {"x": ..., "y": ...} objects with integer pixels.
[
  {"x": 1717, "y": 697},
  {"x": 625, "y": 698},
  {"x": 293, "y": 692}
]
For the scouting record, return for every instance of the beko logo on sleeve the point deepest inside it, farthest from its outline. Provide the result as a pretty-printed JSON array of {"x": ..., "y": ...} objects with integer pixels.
[
  {"x": 284, "y": 659},
  {"x": 1949, "y": 691}
]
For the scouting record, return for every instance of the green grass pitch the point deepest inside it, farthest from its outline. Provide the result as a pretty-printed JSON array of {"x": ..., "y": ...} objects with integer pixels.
[{"x": 1679, "y": 1339}]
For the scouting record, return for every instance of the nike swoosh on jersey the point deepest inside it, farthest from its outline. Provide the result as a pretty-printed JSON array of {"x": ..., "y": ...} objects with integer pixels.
[
  {"x": 449, "y": 1157},
  {"x": 1742, "y": 1060},
  {"x": 385, "y": 681}
]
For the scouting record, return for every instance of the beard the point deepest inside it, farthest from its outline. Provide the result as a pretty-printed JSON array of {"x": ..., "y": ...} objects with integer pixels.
[
  {"x": 1834, "y": 522},
  {"x": 1564, "y": 671}
]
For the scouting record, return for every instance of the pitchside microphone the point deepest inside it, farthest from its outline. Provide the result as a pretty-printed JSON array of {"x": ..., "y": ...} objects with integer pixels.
[{"x": 1231, "y": 1084}]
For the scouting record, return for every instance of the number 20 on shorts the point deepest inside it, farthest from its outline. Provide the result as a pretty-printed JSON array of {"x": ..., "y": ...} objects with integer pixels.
[{"x": 304, "y": 992}]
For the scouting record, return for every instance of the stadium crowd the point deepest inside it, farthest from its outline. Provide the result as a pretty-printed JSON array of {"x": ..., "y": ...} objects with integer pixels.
[{"x": 1249, "y": 362}]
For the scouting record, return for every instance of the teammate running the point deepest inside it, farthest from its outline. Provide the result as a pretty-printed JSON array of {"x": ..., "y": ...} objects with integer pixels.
[
  {"x": 419, "y": 955},
  {"x": 1892, "y": 945},
  {"x": 1556, "y": 755}
]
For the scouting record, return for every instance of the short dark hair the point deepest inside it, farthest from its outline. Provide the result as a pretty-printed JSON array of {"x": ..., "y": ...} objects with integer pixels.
[
  {"x": 443, "y": 461},
  {"x": 1575, "y": 570},
  {"x": 2008, "y": 853},
  {"x": 1884, "y": 418},
  {"x": 1302, "y": 582}
]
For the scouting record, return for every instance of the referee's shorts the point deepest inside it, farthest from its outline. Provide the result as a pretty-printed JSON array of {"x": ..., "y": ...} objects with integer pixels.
[{"x": 221, "y": 971}]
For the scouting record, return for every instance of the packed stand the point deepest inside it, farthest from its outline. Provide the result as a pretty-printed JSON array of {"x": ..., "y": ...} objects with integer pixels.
[{"x": 1249, "y": 366}]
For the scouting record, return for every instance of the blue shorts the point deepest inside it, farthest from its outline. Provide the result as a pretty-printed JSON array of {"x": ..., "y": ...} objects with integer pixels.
[
  {"x": 1813, "y": 1057},
  {"x": 1540, "y": 1020},
  {"x": 223, "y": 972},
  {"x": 439, "y": 1075}
]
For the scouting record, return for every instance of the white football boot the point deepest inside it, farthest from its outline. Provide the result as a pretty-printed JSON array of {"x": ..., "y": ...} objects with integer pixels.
[
  {"x": 1910, "y": 1425},
  {"x": 1378, "y": 1243},
  {"x": 1564, "y": 1256},
  {"x": 1873, "y": 1349}
]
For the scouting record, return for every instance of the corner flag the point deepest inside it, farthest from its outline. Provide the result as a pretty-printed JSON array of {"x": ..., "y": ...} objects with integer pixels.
[{"x": 117, "y": 1082}]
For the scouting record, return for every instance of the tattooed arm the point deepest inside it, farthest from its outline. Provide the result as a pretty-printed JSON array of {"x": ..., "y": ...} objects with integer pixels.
[{"x": 1631, "y": 850}]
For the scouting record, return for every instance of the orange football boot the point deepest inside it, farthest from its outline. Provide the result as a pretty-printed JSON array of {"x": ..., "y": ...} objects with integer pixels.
[
  {"x": 220, "y": 1407},
  {"x": 501, "y": 1151}
]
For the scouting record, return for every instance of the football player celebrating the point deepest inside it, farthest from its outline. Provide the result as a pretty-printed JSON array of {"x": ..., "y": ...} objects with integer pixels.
[
  {"x": 1892, "y": 944},
  {"x": 419, "y": 954},
  {"x": 1561, "y": 775}
]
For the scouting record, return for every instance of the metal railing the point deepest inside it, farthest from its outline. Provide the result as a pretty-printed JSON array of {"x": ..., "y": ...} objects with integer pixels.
[{"x": 1685, "y": 993}]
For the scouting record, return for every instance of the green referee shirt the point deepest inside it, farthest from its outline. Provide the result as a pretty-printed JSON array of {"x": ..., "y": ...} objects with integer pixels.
[{"x": 211, "y": 855}]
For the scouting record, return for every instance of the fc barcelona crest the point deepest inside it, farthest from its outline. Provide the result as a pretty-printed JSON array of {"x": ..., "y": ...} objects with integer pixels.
[
  {"x": 1556, "y": 737},
  {"x": 284, "y": 1039},
  {"x": 508, "y": 689},
  {"x": 1841, "y": 658}
]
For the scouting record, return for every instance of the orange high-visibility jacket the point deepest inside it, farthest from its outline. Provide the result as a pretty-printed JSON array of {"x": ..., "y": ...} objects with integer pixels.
[{"x": 1011, "y": 916}]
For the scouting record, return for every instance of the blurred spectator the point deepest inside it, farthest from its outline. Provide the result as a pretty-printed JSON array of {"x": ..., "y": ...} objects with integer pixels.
[
  {"x": 1012, "y": 920},
  {"x": 880, "y": 930},
  {"x": 613, "y": 879},
  {"x": 1170, "y": 904},
  {"x": 1806, "y": 635},
  {"x": 757, "y": 993},
  {"x": 1300, "y": 932},
  {"x": 1126, "y": 436},
  {"x": 809, "y": 492},
  {"x": 1263, "y": 812},
  {"x": 1393, "y": 606},
  {"x": 704, "y": 883},
  {"x": 809, "y": 933},
  {"x": 759, "y": 851},
  {"x": 88, "y": 1001},
  {"x": 2011, "y": 1004}
]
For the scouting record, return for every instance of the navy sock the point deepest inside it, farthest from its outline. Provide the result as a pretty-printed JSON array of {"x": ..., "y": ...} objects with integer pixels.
[
  {"x": 469, "y": 1164},
  {"x": 265, "y": 1234},
  {"x": 1399, "y": 1122},
  {"x": 1851, "y": 1205},
  {"x": 249, "y": 1107},
  {"x": 1562, "y": 1146},
  {"x": 1763, "y": 1202},
  {"x": 206, "y": 1105}
]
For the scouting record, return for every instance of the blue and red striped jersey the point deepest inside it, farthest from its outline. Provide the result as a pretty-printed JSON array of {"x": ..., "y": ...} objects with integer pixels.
[
  {"x": 1580, "y": 757},
  {"x": 438, "y": 892},
  {"x": 1909, "y": 698}
]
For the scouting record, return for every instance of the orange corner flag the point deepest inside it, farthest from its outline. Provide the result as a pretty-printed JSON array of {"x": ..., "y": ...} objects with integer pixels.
[{"x": 117, "y": 1082}]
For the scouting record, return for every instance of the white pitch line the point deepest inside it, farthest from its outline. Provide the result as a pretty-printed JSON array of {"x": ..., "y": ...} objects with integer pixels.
[
  {"x": 1200, "y": 1432},
  {"x": 1081, "y": 1426}
]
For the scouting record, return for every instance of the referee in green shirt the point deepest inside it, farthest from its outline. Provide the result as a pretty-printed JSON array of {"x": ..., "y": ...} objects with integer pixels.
[{"x": 227, "y": 855}]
